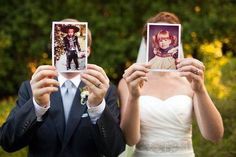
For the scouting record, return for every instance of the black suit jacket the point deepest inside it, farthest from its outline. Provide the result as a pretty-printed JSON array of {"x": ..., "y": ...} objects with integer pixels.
[
  {"x": 67, "y": 43},
  {"x": 53, "y": 138}
]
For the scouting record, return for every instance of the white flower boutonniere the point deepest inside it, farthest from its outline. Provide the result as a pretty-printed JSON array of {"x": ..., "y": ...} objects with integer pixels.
[{"x": 84, "y": 93}]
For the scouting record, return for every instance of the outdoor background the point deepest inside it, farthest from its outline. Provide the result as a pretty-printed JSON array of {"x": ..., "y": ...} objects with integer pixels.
[{"x": 209, "y": 32}]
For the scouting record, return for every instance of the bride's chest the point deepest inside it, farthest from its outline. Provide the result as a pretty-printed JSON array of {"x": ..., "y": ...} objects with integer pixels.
[
  {"x": 177, "y": 107},
  {"x": 165, "y": 89}
]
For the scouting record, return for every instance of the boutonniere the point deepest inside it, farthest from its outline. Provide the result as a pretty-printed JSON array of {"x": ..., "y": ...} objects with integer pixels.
[{"x": 84, "y": 93}]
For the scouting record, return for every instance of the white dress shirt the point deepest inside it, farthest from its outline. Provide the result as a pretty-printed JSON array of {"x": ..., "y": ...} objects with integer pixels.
[{"x": 94, "y": 112}]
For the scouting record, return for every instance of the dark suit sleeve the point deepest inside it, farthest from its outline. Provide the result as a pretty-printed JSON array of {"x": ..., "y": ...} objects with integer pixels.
[
  {"x": 109, "y": 137},
  {"x": 19, "y": 127}
]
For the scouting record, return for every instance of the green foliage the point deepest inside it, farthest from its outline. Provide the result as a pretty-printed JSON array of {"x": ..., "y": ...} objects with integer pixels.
[
  {"x": 116, "y": 27},
  {"x": 226, "y": 106}
]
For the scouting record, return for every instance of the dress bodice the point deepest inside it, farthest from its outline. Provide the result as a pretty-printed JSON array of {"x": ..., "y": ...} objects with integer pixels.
[{"x": 166, "y": 127}]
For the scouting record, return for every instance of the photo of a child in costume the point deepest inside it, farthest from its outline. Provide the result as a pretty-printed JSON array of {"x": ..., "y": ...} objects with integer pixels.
[
  {"x": 163, "y": 46},
  {"x": 69, "y": 43}
]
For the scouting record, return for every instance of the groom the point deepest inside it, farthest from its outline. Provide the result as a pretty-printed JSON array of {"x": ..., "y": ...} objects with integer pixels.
[{"x": 52, "y": 120}]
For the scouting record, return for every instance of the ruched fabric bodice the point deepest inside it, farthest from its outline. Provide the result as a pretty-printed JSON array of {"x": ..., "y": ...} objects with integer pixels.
[{"x": 166, "y": 127}]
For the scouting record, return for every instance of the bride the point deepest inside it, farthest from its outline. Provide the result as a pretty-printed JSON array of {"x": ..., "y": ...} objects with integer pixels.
[{"x": 157, "y": 107}]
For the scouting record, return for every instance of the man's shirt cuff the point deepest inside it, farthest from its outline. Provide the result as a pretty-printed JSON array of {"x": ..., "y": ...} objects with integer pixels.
[
  {"x": 96, "y": 112},
  {"x": 40, "y": 111}
]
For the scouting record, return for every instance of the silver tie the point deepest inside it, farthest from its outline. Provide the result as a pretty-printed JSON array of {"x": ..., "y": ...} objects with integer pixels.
[{"x": 68, "y": 94}]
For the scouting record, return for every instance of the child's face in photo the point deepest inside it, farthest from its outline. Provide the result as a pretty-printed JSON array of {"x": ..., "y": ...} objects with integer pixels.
[
  {"x": 164, "y": 43},
  {"x": 70, "y": 32}
]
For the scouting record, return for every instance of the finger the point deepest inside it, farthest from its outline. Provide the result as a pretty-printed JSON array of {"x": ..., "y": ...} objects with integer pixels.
[
  {"x": 43, "y": 67},
  {"x": 141, "y": 83},
  {"x": 192, "y": 69},
  {"x": 200, "y": 65},
  {"x": 137, "y": 82},
  {"x": 190, "y": 76},
  {"x": 178, "y": 60},
  {"x": 97, "y": 68},
  {"x": 45, "y": 83},
  {"x": 144, "y": 78},
  {"x": 94, "y": 81},
  {"x": 190, "y": 61},
  {"x": 97, "y": 75},
  {"x": 90, "y": 85},
  {"x": 44, "y": 73},
  {"x": 135, "y": 75},
  {"x": 136, "y": 67},
  {"x": 45, "y": 90}
]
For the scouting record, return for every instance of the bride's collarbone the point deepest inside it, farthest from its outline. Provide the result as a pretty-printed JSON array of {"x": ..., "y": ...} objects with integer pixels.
[
  {"x": 163, "y": 84},
  {"x": 166, "y": 89}
]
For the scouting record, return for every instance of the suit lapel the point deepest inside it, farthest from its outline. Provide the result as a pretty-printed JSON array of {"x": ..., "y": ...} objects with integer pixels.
[
  {"x": 57, "y": 113},
  {"x": 75, "y": 115}
]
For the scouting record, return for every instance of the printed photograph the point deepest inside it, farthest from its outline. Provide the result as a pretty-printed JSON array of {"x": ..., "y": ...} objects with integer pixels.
[
  {"x": 69, "y": 45},
  {"x": 163, "y": 45}
]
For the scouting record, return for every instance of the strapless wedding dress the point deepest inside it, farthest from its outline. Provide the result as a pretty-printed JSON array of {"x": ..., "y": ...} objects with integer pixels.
[{"x": 166, "y": 127}]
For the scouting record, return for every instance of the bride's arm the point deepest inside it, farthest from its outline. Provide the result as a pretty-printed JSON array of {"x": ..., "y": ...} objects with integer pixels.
[
  {"x": 129, "y": 92},
  {"x": 130, "y": 120},
  {"x": 208, "y": 117}
]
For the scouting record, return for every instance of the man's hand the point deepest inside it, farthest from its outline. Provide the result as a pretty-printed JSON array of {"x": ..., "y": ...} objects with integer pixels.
[
  {"x": 43, "y": 84},
  {"x": 97, "y": 82}
]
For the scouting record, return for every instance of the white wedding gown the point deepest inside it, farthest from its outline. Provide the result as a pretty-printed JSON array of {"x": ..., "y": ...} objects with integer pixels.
[{"x": 166, "y": 127}]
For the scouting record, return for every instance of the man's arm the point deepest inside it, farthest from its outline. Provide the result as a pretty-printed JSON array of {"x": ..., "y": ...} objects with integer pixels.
[
  {"x": 107, "y": 133},
  {"x": 22, "y": 122},
  {"x": 109, "y": 137},
  {"x": 18, "y": 129}
]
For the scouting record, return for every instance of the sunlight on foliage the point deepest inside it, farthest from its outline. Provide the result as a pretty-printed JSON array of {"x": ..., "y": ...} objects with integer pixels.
[
  {"x": 45, "y": 60},
  {"x": 214, "y": 61},
  {"x": 193, "y": 34},
  {"x": 213, "y": 49},
  {"x": 187, "y": 48},
  {"x": 197, "y": 9},
  {"x": 213, "y": 77},
  {"x": 5, "y": 40},
  {"x": 32, "y": 66}
]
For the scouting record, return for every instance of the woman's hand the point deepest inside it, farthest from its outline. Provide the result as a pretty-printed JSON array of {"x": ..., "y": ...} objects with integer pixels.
[
  {"x": 193, "y": 70},
  {"x": 135, "y": 76}
]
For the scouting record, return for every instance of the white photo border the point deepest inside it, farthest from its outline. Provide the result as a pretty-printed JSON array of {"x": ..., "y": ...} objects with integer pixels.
[
  {"x": 147, "y": 48},
  {"x": 86, "y": 43}
]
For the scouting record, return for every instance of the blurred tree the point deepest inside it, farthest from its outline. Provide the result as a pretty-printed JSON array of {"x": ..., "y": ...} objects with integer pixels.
[
  {"x": 116, "y": 28},
  {"x": 208, "y": 34}
]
